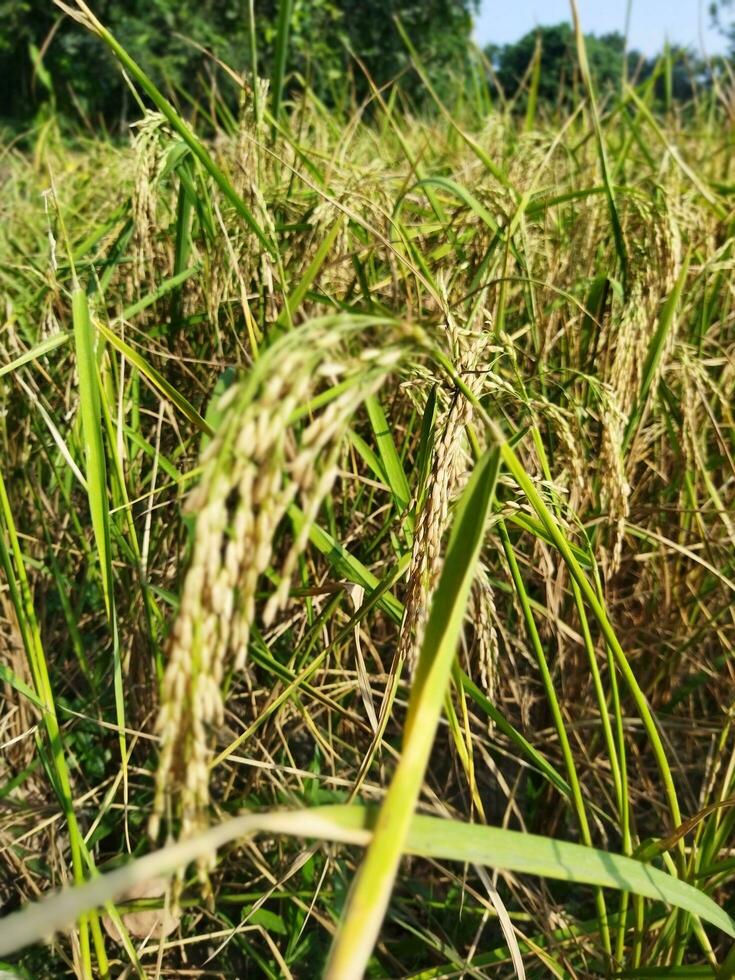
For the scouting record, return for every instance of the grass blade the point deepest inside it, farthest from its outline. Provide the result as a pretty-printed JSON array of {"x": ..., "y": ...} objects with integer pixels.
[
  {"x": 601, "y": 149},
  {"x": 659, "y": 341},
  {"x": 285, "y": 11},
  {"x": 392, "y": 466},
  {"x": 198, "y": 149},
  {"x": 372, "y": 888},
  {"x": 155, "y": 378},
  {"x": 433, "y": 837},
  {"x": 94, "y": 453},
  {"x": 38, "y": 350}
]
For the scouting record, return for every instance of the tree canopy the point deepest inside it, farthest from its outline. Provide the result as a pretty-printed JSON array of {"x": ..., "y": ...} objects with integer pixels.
[
  {"x": 558, "y": 61},
  {"x": 48, "y": 59},
  {"x": 674, "y": 76},
  {"x": 167, "y": 38},
  {"x": 722, "y": 13}
]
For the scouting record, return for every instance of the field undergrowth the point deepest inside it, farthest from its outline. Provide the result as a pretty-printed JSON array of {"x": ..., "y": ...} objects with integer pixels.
[{"x": 367, "y": 540}]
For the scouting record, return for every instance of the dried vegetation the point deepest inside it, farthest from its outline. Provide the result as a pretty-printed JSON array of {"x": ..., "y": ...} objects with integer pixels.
[{"x": 223, "y": 609}]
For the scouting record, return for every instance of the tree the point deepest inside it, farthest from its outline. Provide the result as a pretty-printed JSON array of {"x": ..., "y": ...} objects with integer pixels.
[
  {"x": 677, "y": 75},
  {"x": 674, "y": 75},
  {"x": 439, "y": 29},
  {"x": 82, "y": 71},
  {"x": 718, "y": 16},
  {"x": 559, "y": 73},
  {"x": 158, "y": 34}
]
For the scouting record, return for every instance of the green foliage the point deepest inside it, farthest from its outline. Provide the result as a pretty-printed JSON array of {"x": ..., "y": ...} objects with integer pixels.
[
  {"x": 82, "y": 71},
  {"x": 167, "y": 38},
  {"x": 722, "y": 13},
  {"x": 676, "y": 75},
  {"x": 559, "y": 79}
]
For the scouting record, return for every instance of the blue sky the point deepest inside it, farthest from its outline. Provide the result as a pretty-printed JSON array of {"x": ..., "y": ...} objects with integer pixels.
[{"x": 652, "y": 21}]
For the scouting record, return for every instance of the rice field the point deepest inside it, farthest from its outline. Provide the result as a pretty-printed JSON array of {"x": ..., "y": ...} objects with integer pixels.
[{"x": 367, "y": 525}]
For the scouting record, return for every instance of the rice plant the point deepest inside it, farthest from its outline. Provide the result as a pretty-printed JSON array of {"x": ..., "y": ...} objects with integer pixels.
[{"x": 366, "y": 529}]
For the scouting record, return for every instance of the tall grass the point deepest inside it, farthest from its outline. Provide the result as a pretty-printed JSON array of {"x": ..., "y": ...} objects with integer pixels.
[{"x": 368, "y": 483}]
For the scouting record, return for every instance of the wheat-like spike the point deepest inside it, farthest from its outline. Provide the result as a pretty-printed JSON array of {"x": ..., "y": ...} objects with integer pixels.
[{"x": 256, "y": 465}]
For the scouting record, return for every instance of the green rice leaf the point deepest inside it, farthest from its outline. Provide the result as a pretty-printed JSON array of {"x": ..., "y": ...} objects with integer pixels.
[
  {"x": 373, "y": 885},
  {"x": 447, "y": 840}
]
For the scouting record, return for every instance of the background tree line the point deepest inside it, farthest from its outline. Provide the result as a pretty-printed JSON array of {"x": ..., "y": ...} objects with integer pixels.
[
  {"x": 167, "y": 38},
  {"x": 46, "y": 61},
  {"x": 675, "y": 75}
]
